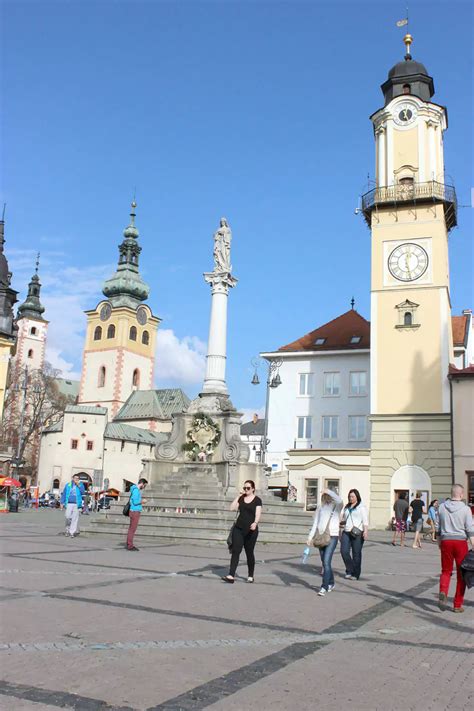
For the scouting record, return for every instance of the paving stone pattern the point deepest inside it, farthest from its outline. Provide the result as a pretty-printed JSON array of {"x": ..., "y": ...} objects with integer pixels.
[{"x": 88, "y": 625}]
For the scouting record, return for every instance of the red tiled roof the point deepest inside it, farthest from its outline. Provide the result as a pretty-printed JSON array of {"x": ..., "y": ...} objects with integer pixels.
[
  {"x": 459, "y": 324},
  {"x": 337, "y": 334}
]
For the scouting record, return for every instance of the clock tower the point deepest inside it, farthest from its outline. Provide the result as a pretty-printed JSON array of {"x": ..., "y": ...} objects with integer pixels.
[
  {"x": 119, "y": 352},
  {"x": 410, "y": 213}
]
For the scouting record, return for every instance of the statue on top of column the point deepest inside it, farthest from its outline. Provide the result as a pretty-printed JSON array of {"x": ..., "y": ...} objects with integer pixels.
[{"x": 222, "y": 240}]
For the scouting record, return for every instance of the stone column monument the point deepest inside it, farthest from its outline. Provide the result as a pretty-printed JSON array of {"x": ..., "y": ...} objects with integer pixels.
[
  {"x": 221, "y": 280},
  {"x": 205, "y": 440}
]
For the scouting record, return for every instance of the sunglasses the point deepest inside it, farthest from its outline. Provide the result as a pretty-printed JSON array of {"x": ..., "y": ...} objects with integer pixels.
[{"x": 247, "y": 488}]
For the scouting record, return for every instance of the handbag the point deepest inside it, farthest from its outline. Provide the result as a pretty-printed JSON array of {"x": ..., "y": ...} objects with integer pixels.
[
  {"x": 229, "y": 538},
  {"x": 355, "y": 532},
  {"x": 321, "y": 540}
]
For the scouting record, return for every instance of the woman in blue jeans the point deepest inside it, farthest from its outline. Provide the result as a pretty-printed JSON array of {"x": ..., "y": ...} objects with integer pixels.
[
  {"x": 354, "y": 530},
  {"x": 327, "y": 514}
]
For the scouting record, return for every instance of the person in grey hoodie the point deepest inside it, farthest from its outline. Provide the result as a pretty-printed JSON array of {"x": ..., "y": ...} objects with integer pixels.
[{"x": 455, "y": 527}]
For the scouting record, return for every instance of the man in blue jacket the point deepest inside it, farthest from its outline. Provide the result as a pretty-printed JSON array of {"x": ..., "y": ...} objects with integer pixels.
[
  {"x": 71, "y": 500},
  {"x": 135, "y": 511}
]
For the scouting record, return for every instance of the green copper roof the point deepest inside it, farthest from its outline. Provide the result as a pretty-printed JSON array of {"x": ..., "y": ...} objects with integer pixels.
[
  {"x": 126, "y": 287},
  {"x": 153, "y": 405},
  {"x": 118, "y": 430},
  {"x": 32, "y": 306}
]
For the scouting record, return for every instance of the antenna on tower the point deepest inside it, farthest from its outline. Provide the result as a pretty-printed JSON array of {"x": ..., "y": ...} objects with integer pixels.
[
  {"x": 37, "y": 262},
  {"x": 3, "y": 212}
]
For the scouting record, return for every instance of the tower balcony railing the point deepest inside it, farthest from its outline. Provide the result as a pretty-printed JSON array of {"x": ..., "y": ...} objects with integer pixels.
[{"x": 403, "y": 193}]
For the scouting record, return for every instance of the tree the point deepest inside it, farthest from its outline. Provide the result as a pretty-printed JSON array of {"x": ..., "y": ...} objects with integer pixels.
[{"x": 33, "y": 402}]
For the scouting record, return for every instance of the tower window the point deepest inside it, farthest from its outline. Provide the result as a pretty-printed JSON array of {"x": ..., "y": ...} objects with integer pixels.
[
  {"x": 101, "y": 380},
  {"x": 98, "y": 333},
  {"x": 33, "y": 331},
  {"x": 74, "y": 443},
  {"x": 408, "y": 319},
  {"x": 136, "y": 378},
  {"x": 133, "y": 333},
  {"x": 408, "y": 180},
  {"x": 111, "y": 331},
  {"x": 145, "y": 338},
  {"x": 30, "y": 353},
  {"x": 406, "y": 89},
  {"x": 89, "y": 445}
]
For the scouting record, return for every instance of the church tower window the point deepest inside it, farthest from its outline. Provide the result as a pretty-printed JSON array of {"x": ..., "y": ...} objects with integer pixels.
[
  {"x": 145, "y": 338},
  {"x": 408, "y": 319},
  {"x": 98, "y": 333},
  {"x": 101, "y": 380},
  {"x": 133, "y": 333},
  {"x": 30, "y": 353},
  {"x": 406, "y": 89},
  {"x": 33, "y": 331},
  {"x": 111, "y": 331},
  {"x": 136, "y": 378}
]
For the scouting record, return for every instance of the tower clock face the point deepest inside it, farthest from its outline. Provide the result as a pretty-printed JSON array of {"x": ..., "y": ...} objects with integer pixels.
[
  {"x": 142, "y": 316},
  {"x": 405, "y": 114},
  {"x": 408, "y": 262},
  {"x": 105, "y": 312}
]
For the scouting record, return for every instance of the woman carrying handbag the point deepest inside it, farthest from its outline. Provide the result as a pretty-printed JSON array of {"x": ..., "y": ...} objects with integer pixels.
[
  {"x": 354, "y": 530},
  {"x": 324, "y": 535}
]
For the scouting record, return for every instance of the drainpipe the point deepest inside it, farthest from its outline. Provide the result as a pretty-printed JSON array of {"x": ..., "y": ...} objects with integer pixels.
[{"x": 451, "y": 427}]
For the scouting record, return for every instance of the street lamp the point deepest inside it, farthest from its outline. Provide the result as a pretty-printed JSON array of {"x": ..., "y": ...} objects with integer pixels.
[{"x": 273, "y": 381}]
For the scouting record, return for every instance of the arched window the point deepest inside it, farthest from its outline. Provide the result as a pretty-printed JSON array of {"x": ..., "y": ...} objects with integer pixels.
[
  {"x": 408, "y": 319},
  {"x": 133, "y": 333},
  {"x": 111, "y": 331},
  {"x": 406, "y": 89},
  {"x": 145, "y": 338},
  {"x": 98, "y": 333},
  {"x": 55, "y": 483},
  {"x": 30, "y": 353},
  {"x": 101, "y": 380},
  {"x": 33, "y": 331},
  {"x": 136, "y": 378}
]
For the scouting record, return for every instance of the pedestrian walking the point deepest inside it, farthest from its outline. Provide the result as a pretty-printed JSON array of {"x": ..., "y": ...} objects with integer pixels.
[
  {"x": 71, "y": 500},
  {"x": 433, "y": 518},
  {"x": 354, "y": 531},
  {"x": 417, "y": 509},
  {"x": 400, "y": 509},
  {"x": 136, "y": 506},
  {"x": 455, "y": 527},
  {"x": 245, "y": 530},
  {"x": 326, "y": 521}
]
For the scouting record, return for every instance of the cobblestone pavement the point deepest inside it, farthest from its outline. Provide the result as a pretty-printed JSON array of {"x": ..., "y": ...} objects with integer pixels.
[{"x": 89, "y": 625}]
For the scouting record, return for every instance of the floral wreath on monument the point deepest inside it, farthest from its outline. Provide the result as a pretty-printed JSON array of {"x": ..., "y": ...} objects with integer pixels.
[{"x": 203, "y": 436}]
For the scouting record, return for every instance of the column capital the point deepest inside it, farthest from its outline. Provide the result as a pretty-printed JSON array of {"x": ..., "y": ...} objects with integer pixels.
[
  {"x": 220, "y": 282},
  {"x": 380, "y": 130}
]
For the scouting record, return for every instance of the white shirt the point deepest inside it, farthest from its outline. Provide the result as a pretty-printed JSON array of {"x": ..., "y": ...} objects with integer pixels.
[
  {"x": 358, "y": 517},
  {"x": 327, "y": 512}
]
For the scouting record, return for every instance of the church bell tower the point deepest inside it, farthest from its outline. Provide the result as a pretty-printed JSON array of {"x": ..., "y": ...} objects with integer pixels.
[{"x": 410, "y": 213}]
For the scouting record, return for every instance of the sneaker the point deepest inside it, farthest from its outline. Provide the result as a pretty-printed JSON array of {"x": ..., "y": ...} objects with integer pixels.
[
  {"x": 330, "y": 588},
  {"x": 322, "y": 592},
  {"x": 133, "y": 548},
  {"x": 348, "y": 576},
  {"x": 442, "y": 601},
  {"x": 250, "y": 579},
  {"x": 458, "y": 609}
]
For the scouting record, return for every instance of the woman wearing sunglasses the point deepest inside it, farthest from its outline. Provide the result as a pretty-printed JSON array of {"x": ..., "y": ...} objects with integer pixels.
[{"x": 245, "y": 531}]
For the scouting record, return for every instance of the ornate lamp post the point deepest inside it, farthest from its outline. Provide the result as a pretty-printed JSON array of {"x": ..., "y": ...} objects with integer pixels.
[{"x": 273, "y": 381}]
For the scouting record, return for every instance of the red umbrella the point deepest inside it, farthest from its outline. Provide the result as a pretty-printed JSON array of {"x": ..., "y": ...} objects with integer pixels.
[{"x": 8, "y": 481}]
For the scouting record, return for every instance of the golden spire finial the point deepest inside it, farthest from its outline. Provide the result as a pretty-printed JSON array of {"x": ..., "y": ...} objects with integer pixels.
[{"x": 408, "y": 39}]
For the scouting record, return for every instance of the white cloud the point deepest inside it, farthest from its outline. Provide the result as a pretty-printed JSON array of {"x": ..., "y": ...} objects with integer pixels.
[
  {"x": 249, "y": 412},
  {"x": 180, "y": 360}
]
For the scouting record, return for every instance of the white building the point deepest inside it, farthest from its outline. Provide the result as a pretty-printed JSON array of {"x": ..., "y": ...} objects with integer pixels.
[{"x": 252, "y": 433}]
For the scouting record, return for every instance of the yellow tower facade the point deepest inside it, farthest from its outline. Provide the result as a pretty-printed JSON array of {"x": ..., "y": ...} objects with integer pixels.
[
  {"x": 410, "y": 213},
  {"x": 119, "y": 351}
]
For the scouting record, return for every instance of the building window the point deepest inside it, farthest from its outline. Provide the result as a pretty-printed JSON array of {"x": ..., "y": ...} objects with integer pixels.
[
  {"x": 406, "y": 89},
  {"x": 33, "y": 331},
  {"x": 357, "y": 427},
  {"x": 330, "y": 427},
  {"x": 408, "y": 319},
  {"x": 133, "y": 333},
  {"x": 332, "y": 384},
  {"x": 145, "y": 338},
  {"x": 55, "y": 483},
  {"x": 356, "y": 339},
  {"x": 30, "y": 353},
  {"x": 358, "y": 383},
  {"x": 136, "y": 378},
  {"x": 332, "y": 484},
  {"x": 101, "y": 379},
  {"x": 304, "y": 427},
  {"x": 98, "y": 333},
  {"x": 89, "y": 445},
  {"x": 111, "y": 331},
  {"x": 74, "y": 443},
  {"x": 305, "y": 384},
  {"x": 311, "y": 494},
  {"x": 320, "y": 342},
  {"x": 407, "y": 312}
]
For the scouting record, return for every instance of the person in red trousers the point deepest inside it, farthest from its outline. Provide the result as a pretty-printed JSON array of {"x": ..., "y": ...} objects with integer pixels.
[
  {"x": 135, "y": 511},
  {"x": 455, "y": 528}
]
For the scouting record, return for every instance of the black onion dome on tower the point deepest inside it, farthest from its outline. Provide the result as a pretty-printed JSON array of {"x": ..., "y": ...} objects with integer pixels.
[
  {"x": 408, "y": 77},
  {"x": 32, "y": 306}
]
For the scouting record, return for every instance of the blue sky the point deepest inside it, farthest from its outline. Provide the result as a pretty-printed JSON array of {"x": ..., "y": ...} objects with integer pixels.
[{"x": 258, "y": 111}]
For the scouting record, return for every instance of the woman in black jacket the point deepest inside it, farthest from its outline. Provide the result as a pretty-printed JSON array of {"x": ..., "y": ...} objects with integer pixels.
[{"x": 245, "y": 531}]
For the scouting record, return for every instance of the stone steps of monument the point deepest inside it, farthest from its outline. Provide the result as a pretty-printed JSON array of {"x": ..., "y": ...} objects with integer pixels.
[
  {"x": 189, "y": 519},
  {"x": 204, "y": 504}
]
